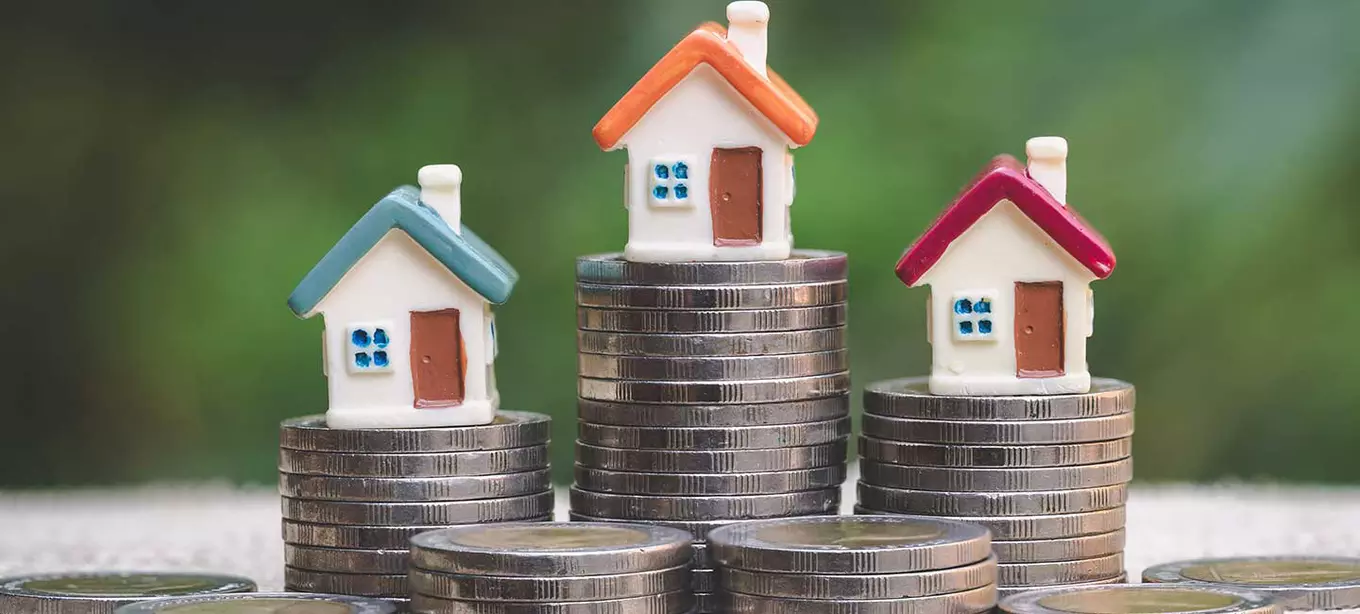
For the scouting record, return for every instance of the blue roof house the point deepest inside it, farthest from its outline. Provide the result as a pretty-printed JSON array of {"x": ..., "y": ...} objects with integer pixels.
[{"x": 406, "y": 296}]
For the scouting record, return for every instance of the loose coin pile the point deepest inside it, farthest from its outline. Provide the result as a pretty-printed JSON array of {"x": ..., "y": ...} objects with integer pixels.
[
  {"x": 1295, "y": 582},
  {"x": 1048, "y": 475},
  {"x": 552, "y": 568},
  {"x": 261, "y": 603},
  {"x": 1139, "y": 599},
  {"x": 711, "y": 392},
  {"x": 102, "y": 593},
  {"x": 854, "y": 565},
  {"x": 354, "y": 498}
]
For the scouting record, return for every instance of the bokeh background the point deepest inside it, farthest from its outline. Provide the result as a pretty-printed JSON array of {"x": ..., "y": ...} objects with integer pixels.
[{"x": 171, "y": 169}]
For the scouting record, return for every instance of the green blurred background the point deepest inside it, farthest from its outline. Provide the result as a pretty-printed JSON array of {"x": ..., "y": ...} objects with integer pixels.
[{"x": 171, "y": 169}]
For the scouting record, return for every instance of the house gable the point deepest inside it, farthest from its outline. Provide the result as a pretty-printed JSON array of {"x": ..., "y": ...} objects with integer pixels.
[
  {"x": 771, "y": 97},
  {"x": 463, "y": 253},
  {"x": 1004, "y": 180}
]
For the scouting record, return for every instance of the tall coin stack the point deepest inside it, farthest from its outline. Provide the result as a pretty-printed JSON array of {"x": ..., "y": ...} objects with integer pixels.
[
  {"x": 1047, "y": 474},
  {"x": 711, "y": 392},
  {"x": 354, "y": 498},
  {"x": 552, "y": 568},
  {"x": 855, "y": 565}
]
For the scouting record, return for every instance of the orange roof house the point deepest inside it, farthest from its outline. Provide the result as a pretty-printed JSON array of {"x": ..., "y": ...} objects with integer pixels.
[{"x": 709, "y": 131}]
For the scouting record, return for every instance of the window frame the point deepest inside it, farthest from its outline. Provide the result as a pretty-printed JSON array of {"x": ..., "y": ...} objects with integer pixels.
[
  {"x": 371, "y": 348},
  {"x": 671, "y": 181},
  {"x": 972, "y": 317}
]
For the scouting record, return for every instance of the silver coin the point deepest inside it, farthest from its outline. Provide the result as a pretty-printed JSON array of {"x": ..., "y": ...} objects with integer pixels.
[
  {"x": 849, "y": 545},
  {"x": 1003, "y": 592},
  {"x": 942, "y": 455},
  {"x": 998, "y": 432},
  {"x": 511, "y": 429},
  {"x": 411, "y": 465},
  {"x": 802, "y": 266},
  {"x": 711, "y": 368},
  {"x": 711, "y": 461},
  {"x": 977, "y": 600},
  {"x": 557, "y": 588},
  {"x": 930, "y": 503},
  {"x": 633, "y": 414},
  {"x": 1138, "y": 598},
  {"x": 708, "y": 321},
  {"x": 364, "y": 585},
  {"x": 1298, "y": 582},
  {"x": 1011, "y": 479},
  {"x": 678, "y": 602},
  {"x": 765, "y": 483},
  {"x": 775, "y": 296},
  {"x": 723, "y": 344},
  {"x": 551, "y": 549},
  {"x": 701, "y": 559},
  {"x": 424, "y": 513},
  {"x": 911, "y": 398},
  {"x": 704, "y": 580},
  {"x": 860, "y": 586},
  {"x": 933, "y": 503},
  {"x": 748, "y": 391},
  {"x": 715, "y": 438},
  {"x": 1060, "y": 572},
  {"x": 102, "y": 592},
  {"x": 338, "y": 560},
  {"x": 1068, "y": 549},
  {"x": 1051, "y": 526},
  {"x": 262, "y": 603},
  {"x": 648, "y": 507},
  {"x": 698, "y": 529},
  {"x": 395, "y": 490},
  {"x": 360, "y": 537},
  {"x": 707, "y": 603}
]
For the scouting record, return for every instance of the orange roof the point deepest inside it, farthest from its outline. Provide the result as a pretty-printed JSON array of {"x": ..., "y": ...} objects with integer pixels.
[{"x": 708, "y": 44}]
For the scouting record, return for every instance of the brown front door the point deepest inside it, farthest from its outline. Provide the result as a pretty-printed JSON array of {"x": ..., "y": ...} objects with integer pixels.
[
  {"x": 1039, "y": 329},
  {"x": 438, "y": 359},
  {"x": 734, "y": 196}
]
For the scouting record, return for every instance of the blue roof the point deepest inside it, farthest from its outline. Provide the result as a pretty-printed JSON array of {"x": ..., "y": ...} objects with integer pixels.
[{"x": 465, "y": 255}]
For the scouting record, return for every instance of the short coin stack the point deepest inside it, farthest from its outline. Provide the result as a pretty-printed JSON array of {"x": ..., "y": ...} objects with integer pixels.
[
  {"x": 1048, "y": 475},
  {"x": 552, "y": 568},
  {"x": 104, "y": 592},
  {"x": 261, "y": 603},
  {"x": 1299, "y": 582},
  {"x": 353, "y": 498},
  {"x": 1140, "y": 598},
  {"x": 711, "y": 392},
  {"x": 854, "y": 565}
]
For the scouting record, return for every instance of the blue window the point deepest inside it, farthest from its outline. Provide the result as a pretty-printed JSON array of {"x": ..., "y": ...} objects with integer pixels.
[
  {"x": 973, "y": 315},
  {"x": 368, "y": 345},
  {"x": 670, "y": 182}
]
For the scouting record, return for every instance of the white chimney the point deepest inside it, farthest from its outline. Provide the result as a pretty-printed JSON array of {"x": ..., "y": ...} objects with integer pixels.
[
  {"x": 441, "y": 190},
  {"x": 746, "y": 26},
  {"x": 1048, "y": 164}
]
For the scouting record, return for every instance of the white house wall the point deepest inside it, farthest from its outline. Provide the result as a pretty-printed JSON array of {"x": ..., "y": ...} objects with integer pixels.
[
  {"x": 1002, "y": 248},
  {"x": 700, "y": 113},
  {"x": 395, "y": 278}
]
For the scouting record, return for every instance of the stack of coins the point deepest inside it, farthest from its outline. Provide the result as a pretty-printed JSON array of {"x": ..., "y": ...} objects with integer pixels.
[
  {"x": 104, "y": 592},
  {"x": 1047, "y": 474},
  {"x": 1140, "y": 599},
  {"x": 353, "y": 498},
  {"x": 1297, "y": 583},
  {"x": 261, "y": 603},
  {"x": 854, "y": 565},
  {"x": 552, "y": 568},
  {"x": 711, "y": 392}
]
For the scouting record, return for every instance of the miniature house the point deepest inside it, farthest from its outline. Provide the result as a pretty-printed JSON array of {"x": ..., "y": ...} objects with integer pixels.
[
  {"x": 1009, "y": 266},
  {"x": 709, "y": 131},
  {"x": 406, "y": 296}
]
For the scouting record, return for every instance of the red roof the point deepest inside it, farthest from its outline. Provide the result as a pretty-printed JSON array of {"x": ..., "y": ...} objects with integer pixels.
[
  {"x": 1005, "y": 179},
  {"x": 708, "y": 44}
]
